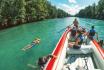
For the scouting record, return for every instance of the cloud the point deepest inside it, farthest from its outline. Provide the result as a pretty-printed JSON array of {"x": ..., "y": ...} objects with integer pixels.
[
  {"x": 71, "y": 9},
  {"x": 72, "y": 1}
]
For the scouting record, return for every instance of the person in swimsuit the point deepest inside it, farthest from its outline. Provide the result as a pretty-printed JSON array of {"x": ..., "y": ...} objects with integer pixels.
[{"x": 35, "y": 42}]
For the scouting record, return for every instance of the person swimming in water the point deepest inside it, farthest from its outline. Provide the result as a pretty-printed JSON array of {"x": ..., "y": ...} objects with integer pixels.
[
  {"x": 35, "y": 42},
  {"x": 43, "y": 60}
]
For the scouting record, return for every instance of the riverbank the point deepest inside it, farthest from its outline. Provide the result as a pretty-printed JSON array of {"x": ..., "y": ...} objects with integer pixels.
[
  {"x": 16, "y": 23},
  {"x": 13, "y": 13},
  {"x": 94, "y": 11}
]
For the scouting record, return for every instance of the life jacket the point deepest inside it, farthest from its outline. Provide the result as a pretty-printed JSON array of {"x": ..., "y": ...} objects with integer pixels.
[{"x": 92, "y": 32}]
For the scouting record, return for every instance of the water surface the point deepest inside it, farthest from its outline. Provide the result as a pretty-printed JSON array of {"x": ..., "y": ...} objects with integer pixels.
[{"x": 12, "y": 40}]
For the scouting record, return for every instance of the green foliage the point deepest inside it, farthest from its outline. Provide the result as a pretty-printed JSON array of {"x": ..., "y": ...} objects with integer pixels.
[
  {"x": 14, "y": 12},
  {"x": 94, "y": 11}
]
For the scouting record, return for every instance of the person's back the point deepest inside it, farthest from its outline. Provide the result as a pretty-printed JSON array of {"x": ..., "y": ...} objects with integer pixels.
[
  {"x": 75, "y": 22},
  {"x": 92, "y": 33}
]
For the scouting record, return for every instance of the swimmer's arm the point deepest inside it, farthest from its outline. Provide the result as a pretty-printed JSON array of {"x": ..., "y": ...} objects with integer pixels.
[{"x": 53, "y": 56}]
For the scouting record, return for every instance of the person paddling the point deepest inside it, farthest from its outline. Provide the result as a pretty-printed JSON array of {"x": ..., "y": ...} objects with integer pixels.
[{"x": 36, "y": 41}]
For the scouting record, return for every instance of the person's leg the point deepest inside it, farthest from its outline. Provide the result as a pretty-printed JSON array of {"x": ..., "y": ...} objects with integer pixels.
[
  {"x": 85, "y": 40},
  {"x": 72, "y": 39},
  {"x": 70, "y": 44},
  {"x": 76, "y": 46},
  {"x": 88, "y": 40},
  {"x": 27, "y": 47}
]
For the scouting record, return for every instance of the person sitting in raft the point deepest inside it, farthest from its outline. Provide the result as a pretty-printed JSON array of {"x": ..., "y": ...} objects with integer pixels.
[
  {"x": 43, "y": 60},
  {"x": 36, "y": 41},
  {"x": 75, "y": 22},
  {"x": 79, "y": 40},
  {"x": 68, "y": 27},
  {"x": 92, "y": 33},
  {"x": 84, "y": 33},
  {"x": 101, "y": 43},
  {"x": 73, "y": 34}
]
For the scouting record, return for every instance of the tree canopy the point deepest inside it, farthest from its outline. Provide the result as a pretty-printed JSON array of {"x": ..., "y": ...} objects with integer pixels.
[
  {"x": 15, "y": 12},
  {"x": 93, "y": 11}
]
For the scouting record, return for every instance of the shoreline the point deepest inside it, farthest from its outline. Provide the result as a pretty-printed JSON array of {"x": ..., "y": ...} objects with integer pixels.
[{"x": 42, "y": 20}]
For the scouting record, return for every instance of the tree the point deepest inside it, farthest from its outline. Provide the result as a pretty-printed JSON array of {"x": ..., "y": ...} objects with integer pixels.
[
  {"x": 101, "y": 9},
  {"x": 15, "y": 12},
  {"x": 21, "y": 10},
  {"x": 30, "y": 10},
  {"x": 94, "y": 11}
]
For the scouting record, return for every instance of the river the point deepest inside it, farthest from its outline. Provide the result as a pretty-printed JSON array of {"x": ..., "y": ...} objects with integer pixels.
[{"x": 12, "y": 40}]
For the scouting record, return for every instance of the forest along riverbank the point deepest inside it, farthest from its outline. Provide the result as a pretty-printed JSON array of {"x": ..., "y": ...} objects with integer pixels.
[{"x": 13, "y": 12}]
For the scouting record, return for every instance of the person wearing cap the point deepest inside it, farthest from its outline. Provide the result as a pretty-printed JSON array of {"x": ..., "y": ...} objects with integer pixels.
[{"x": 35, "y": 42}]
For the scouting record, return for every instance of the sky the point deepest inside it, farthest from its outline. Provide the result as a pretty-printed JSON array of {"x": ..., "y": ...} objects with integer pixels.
[{"x": 72, "y": 6}]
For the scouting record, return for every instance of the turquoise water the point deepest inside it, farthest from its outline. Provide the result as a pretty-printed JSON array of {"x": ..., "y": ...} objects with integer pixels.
[{"x": 12, "y": 40}]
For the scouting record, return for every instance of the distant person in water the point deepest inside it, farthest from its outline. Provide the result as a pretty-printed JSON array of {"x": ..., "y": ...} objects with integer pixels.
[
  {"x": 36, "y": 41},
  {"x": 43, "y": 60},
  {"x": 92, "y": 33}
]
